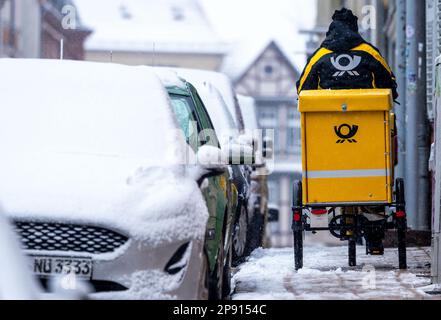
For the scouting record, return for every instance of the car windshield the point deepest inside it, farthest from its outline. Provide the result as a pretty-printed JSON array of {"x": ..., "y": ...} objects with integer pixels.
[
  {"x": 187, "y": 119},
  {"x": 184, "y": 115}
]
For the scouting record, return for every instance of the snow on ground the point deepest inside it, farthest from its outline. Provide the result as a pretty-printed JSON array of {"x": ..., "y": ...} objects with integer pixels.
[{"x": 269, "y": 274}]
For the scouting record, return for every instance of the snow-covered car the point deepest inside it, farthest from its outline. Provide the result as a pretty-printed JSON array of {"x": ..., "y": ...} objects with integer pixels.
[
  {"x": 219, "y": 192},
  {"x": 258, "y": 202},
  {"x": 95, "y": 175},
  {"x": 228, "y": 131}
]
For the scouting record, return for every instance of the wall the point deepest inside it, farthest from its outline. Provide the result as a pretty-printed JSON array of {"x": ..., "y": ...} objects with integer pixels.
[{"x": 198, "y": 61}]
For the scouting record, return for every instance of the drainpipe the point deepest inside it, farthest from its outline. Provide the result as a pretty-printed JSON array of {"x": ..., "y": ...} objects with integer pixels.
[
  {"x": 400, "y": 69},
  {"x": 436, "y": 228},
  {"x": 417, "y": 150},
  {"x": 2, "y": 2}
]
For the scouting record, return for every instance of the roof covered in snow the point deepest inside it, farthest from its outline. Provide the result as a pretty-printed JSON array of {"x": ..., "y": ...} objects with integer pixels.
[
  {"x": 244, "y": 54},
  {"x": 148, "y": 26}
]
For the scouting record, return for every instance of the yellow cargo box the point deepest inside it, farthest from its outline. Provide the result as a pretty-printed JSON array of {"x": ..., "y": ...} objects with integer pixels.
[{"x": 346, "y": 146}]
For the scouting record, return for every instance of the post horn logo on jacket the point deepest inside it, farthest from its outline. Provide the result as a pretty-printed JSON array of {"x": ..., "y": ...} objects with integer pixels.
[
  {"x": 346, "y": 61},
  {"x": 353, "y": 62}
]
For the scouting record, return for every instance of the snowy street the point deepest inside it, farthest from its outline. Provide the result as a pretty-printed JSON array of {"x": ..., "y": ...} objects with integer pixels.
[
  {"x": 182, "y": 150},
  {"x": 269, "y": 274}
]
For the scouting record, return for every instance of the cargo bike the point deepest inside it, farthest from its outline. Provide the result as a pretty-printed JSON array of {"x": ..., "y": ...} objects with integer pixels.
[{"x": 348, "y": 158}]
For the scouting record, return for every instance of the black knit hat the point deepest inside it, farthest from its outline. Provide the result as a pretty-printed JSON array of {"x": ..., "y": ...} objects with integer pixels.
[{"x": 347, "y": 17}]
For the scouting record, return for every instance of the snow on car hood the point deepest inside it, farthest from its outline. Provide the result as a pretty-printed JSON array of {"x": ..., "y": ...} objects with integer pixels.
[{"x": 154, "y": 204}]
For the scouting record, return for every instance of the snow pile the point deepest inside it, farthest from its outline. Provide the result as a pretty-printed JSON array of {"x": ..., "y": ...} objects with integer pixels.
[
  {"x": 269, "y": 274},
  {"x": 103, "y": 147},
  {"x": 148, "y": 25}
]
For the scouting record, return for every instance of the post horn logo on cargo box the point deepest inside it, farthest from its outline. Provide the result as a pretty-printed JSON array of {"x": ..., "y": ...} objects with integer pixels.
[{"x": 345, "y": 132}]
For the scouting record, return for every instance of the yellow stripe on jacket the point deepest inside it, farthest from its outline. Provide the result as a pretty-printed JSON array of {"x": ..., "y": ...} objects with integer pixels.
[
  {"x": 322, "y": 52},
  {"x": 374, "y": 53}
]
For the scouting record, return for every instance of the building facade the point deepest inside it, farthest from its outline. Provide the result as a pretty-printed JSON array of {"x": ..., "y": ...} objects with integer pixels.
[
  {"x": 173, "y": 33},
  {"x": 36, "y": 29},
  {"x": 268, "y": 75}
]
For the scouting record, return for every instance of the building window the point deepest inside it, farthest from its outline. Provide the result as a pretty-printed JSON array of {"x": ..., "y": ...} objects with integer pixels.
[
  {"x": 294, "y": 144},
  {"x": 269, "y": 69},
  {"x": 268, "y": 117}
]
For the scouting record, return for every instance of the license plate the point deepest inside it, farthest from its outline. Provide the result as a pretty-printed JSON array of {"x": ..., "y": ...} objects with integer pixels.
[
  {"x": 319, "y": 221},
  {"x": 57, "y": 266}
]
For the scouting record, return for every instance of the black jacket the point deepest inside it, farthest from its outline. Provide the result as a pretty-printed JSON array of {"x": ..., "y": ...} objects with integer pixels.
[{"x": 346, "y": 61}]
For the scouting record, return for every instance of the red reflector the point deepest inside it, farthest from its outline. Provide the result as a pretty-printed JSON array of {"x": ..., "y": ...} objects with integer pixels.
[
  {"x": 319, "y": 211},
  {"x": 400, "y": 214},
  {"x": 297, "y": 216}
]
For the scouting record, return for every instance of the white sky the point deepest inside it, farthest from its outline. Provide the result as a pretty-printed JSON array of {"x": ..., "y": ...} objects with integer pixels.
[{"x": 236, "y": 20}]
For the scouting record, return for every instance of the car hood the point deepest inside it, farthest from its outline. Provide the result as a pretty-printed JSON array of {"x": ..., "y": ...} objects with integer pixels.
[{"x": 147, "y": 202}]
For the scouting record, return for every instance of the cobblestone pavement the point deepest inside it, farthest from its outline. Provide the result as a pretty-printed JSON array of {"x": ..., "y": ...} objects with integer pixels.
[{"x": 269, "y": 274}]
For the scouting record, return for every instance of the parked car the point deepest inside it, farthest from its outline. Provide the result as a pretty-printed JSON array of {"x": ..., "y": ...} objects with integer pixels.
[
  {"x": 96, "y": 180},
  {"x": 228, "y": 132},
  {"x": 220, "y": 193},
  {"x": 258, "y": 203}
]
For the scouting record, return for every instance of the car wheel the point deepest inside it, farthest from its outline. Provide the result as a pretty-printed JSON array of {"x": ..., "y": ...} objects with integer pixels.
[
  {"x": 216, "y": 285},
  {"x": 255, "y": 233},
  {"x": 240, "y": 236},
  {"x": 226, "y": 284}
]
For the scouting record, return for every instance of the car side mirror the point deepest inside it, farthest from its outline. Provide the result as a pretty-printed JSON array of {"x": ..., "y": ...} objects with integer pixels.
[
  {"x": 211, "y": 162},
  {"x": 273, "y": 214}
]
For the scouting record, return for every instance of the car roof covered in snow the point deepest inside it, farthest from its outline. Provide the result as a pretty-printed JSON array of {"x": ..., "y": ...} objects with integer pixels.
[
  {"x": 83, "y": 107},
  {"x": 221, "y": 117},
  {"x": 219, "y": 113},
  {"x": 170, "y": 78},
  {"x": 149, "y": 26},
  {"x": 217, "y": 79},
  {"x": 249, "y": 112}
]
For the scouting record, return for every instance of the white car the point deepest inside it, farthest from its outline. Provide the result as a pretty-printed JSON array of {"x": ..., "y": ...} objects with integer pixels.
[{"x": 95, "y": 175}]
